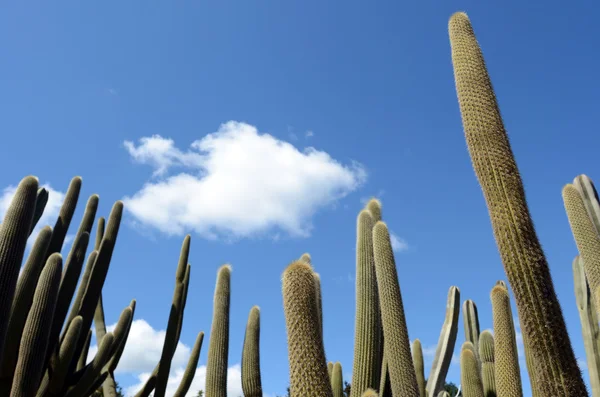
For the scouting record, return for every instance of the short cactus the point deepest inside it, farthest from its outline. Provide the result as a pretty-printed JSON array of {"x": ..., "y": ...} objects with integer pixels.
[
  {"x": 470, "y": 377},
  {"x": 486, "y": 356}
]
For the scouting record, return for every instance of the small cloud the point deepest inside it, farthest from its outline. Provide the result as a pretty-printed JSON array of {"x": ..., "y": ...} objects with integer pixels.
[
  {"x": 582, "y": 364},
  {"x": 309, "y": 134},
  {"x": 293, "y": 136},
  {"x": 398, "y": 244},
  {"x": 112, "y": 91}
]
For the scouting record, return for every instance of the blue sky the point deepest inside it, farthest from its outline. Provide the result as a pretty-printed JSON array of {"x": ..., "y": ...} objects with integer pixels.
[{"x": 368, "y": 86}]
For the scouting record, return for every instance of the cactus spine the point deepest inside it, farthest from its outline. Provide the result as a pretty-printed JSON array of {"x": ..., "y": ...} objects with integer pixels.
[
  {"x": 308, "y": 367},
  {"x": 446, "y": 342},
  {"x": 397, "y": 345},
  {"x": 417, "y": 357},
  {"x": 251, "y": 382},
  {"x": 506, "y": 359},
  {"x": 218, "y": 348},
  {"x": 486, "y": 356},
  {"x": 521, "y": 252},
  {"x": 367, "y": 356}
]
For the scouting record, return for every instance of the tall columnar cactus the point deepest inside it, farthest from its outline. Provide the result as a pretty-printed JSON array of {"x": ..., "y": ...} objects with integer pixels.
[
  {"x": 40, "y": 204},
  {"x": 486, "y": 356},
  {"x": 251, "y": 381},
  {"x": 506, "y": 359},
  {"x": 30, "y": 364},
  {"x": 218, "y": 348},
  {"x": 417, "y": 357},
  {"x": 586, "y": 237},
  {"x": 586, "y": 189},
  {"x": 521, "y": 252},
  {"x": 385, "y": 388},
  {"x": 330, "y": 369},
  {"x": 190, "y": 370},
  {"x": 589, "y": 325},
  {"x": 65, "y": 216},
  {"x": 470, "y": 377},
  {"x": 337, "y": 380},
  {"x": 446, "y": 342},
  {"x": 308, "y": 367},
  {"x": 14, "y": 232},
  {"x": 397, "y": 345},
  {"x": 367, "y": 355},
  {"x": 471, "y": 323}
]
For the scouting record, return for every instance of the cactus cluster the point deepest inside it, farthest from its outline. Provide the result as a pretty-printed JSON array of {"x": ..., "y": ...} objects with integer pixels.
[{"x": 44, "y": 346}]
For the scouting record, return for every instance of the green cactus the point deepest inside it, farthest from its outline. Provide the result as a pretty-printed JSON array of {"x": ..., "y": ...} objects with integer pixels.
[
  {"x": 34, "y": 342},
  {"x": 317, "y": 280},
  {"x": 14, "y": 232},
  {"x": 65, "y": 355},
  {"x": 506, "y": 359},
  {"x": 40, "y": 204},
  {"x": 218, "y": 349},
  {"x": 337, "y": 380},
  {"x": 486, "y": 356},
  {"x": 329, "y": 369},
  {"x": 417, "y": 357},
  {"x": 586, "y": 237},
  {"x": 367, "y": 356},
  {"x": 470, "y": 377},
  {"x": 190, "y": 370},
  {"x": 471, "y": 324},
  {"x": 397, "y": 345},
  {"x": 21, "y": 304},
  {"x": 89, "y": 377},
  {"x": 586, "y": 189},
  {"x": 306, "y": 258},
  {"x": 308, "y": 367},
  {"x": 59, "y": 232},
  {"x": 446, "y": 342},
  {"x": 385, "y": 388},
  {"x": 251, "y": 381},
  {"x": 589, "y": 325},
  {"x": 520, "y": 250}
]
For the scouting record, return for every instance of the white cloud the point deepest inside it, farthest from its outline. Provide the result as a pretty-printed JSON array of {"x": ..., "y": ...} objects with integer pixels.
[
  {"x": 144, "y": 349},
  {"x": 234, "y": 382},
  {"x": 309, "y": 134},
  {"x": 398, "y": 244},
  {"x": 237, "y": 182},
  {"x": 55, "y": 200}
]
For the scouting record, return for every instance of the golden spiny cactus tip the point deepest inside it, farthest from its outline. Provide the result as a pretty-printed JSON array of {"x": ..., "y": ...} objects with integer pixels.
[{"x": 374, "y": 208}]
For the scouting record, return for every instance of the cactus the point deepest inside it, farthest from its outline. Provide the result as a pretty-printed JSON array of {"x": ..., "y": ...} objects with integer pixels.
[
  {"x": 34, "y": 342},
  {"x": 586, "y": 237},
  {"x": 370, "y": 393},
  {"x": 589, "y": 325},
  {"x": 59, "y": 232},
  {"x": 367, "y": 356},
  {"x": 218, "y": 349},
  {"x": 521, "y": 252},
  {"x": 397, "y": 345},
  {"x": 446, "y": 342},
  {"x": 506, "y": 359},
  {"x": 330, "y": 369},
  {"x": 586, "y": 189},
  {"x": 337, "y": 380},
  {"x": 251, "y": 381},
  {"x": 385, "y": 388},
  {"x": 190, "y": 370},
  {"x": 470, "y": 377},
  {"x": 14, "y": 232},
  {"x": 417, "y": 357},
  {"x": 486, "y": 357},
  {"x": 443, "y": 393},
  {"x": 471, "y": 323},
  {"x": 317, "y": 280},
  {"x": 40, "y": 204},
  {"x": 308, "y": 368}
]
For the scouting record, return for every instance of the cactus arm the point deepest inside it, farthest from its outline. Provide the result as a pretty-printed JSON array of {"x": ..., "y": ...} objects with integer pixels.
[
  {"x": 190, "y": 370},
  {"x": 251, "y": 379}
]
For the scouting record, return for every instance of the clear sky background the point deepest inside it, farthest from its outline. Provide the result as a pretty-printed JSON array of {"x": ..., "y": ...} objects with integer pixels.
[{"x": 312, "y": 107}]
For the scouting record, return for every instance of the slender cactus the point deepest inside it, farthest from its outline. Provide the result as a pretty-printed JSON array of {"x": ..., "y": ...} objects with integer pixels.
[
  {"x": 14, "y": 232},
  {"x": 40, "y": 204},
  {"x": 190, "y": 370},
  {"x": 521, "y": 252},
  {"x": 317, "y": 280},
  {"x": 251, "y": 382},
  {"x": 397, "y": 345},
  {"x": 446, "y": 342},
  {"x": 589, "y": 325},
  {"x": 367, "y": 354},
  {"x": 65, "y": 216},
  {"x": 470, "y": 377},
  {"x": 218, "y": 349},
  {"x": 486, "y": 355},
  {"x": 417, "y": 357},
  {"x": 471, "y": 323},
  {"x": 337, "y": 380},
  {"x": 506, "y": 359},
  {"x": 308, "y": 368},
  {"x": 34, "y": 342}
]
